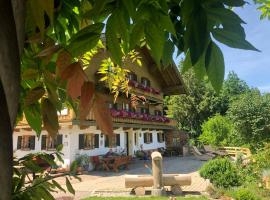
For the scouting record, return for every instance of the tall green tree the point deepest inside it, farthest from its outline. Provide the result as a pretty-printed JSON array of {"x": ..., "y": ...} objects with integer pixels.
[
  {"x": 251, "y": 117},
  {"x": 216, "y": 131},
  {"x": 201, "y": 102},
  {"x": 192, "y": 109}
]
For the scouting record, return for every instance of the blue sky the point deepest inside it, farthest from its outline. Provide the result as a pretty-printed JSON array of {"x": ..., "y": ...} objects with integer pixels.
[{"x": 251, "y": 66}]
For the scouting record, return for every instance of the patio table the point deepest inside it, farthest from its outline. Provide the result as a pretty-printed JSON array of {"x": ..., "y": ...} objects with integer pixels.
[{"x": 106, "y": 161}]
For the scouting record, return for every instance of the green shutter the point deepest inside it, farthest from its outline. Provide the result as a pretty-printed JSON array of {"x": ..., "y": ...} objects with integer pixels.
[
  {"x": 106, "y": 141},
  {"x": 145, "y": 137},
  {"x": 19, "y": 142},
  {"x": 96, "y": 140},
  {"x": 43, "y": 142},
  {"x": 32, "y": 142},
  {"x": 59, "y": 139},
  {"x": 117, "y": 139},
  {"x": 81, "y": 141}
]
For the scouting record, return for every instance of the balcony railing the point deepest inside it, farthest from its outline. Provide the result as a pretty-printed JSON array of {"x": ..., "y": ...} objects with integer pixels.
[
  {"x": 123, "y": 116},
  {"x": 145, "y": 90}
]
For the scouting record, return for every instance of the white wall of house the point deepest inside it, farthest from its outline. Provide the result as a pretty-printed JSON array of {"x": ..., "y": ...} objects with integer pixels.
[{"x": 71, "y": 142}]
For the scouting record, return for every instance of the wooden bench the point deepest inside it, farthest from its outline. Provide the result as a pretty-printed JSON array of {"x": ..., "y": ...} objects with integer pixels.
[
  {"x": 139, "y": 182},
  {"x": 234, "y": 151},
  {"x": 119, "y": 161}
]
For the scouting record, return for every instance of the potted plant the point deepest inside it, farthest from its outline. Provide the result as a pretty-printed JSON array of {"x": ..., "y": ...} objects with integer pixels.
[
  {"x": 266, "y": 178},
  {"x": 83, "y": 163}
]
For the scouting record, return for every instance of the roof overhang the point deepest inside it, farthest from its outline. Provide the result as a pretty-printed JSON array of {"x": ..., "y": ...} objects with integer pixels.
[{"x": 169, "y": 77}]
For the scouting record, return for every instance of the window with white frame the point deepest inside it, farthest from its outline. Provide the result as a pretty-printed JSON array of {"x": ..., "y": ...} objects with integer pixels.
[
  {"x": 50, "y": 143},
  {"x": 88, "y": 141},
  {"x": 161, "y": 137},
  {"x": 148, "y": 138},
  {"x": 26, "y": 142}
]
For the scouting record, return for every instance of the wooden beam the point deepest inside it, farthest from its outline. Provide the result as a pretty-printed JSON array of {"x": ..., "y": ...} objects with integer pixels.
[
  {"x": 176, "y": 89},
  {"x": 129, "y": 125}
]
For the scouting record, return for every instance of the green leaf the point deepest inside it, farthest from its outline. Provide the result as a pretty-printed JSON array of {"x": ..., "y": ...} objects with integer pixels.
[
  {"x": 113, "y": 42},
  {"x": 44, "y": 193},
  {"x": 82, "y": 44},
  {"x": 121, "y": 26},
  {"x": 155, "y": 39},
  {"x": 37, "y": 14},
  {"x": 59, "y": 157},
  {"x": 73, "y": 167},
  {"x": 93, "y": 28},
  {"x": 198, "y": 68},
  {"x": 59, "y": 147},
  {"x": 166, "y": 22},
  {"x": 69, "y": 186},
  {"x": 232, "y": 39},
  {"x": 29, "y": 73},
  {"x": 224, "y": 15},
  {"x": 167, "y": 53},
  {"x": 33, "y": 116},
  {"x": 196, "y": 35},
  {"x": 136, "y": 34},
  {"x": 215, "y": 67},
  {"x": 129, "y": 4},
  {"x": 48, "y": 7},
  {"x": 187, "y": 63},
  {"x": 234, "y": 3},
  {"x": 58, "y": 186}
]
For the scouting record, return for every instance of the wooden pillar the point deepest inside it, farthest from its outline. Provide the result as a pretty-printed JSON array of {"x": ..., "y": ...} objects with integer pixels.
[{"x": 157, "y": 168}]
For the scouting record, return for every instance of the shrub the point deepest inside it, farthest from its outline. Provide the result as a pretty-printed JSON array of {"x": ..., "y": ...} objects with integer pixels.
[
  {"x": 244, "y": 194},
  {"x": 262, "y": 160},
  {"x": 216, "y": 131},
  {"x": 221, "y": 172}
]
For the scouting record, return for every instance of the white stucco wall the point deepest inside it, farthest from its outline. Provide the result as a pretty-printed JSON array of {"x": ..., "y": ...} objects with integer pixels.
[{"x": 71, "y": 142}]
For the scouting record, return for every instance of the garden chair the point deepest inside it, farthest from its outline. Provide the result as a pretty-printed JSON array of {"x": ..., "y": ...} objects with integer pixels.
[
  {"x": 96, "y": 162},
  {"x": 200, "y": 156}
]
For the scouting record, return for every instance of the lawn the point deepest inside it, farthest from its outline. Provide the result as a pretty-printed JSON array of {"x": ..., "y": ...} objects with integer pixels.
[{"x": 144, "y": 198}]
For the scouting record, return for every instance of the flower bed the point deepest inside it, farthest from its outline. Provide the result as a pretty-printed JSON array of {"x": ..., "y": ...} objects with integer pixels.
[
  {"x": 138, "y": 116},
  {"x": 144, "y": 88}
]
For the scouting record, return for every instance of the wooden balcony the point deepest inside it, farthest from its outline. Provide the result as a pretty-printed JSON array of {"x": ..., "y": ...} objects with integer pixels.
[
  {"x": 134, "y": 123},
  {"x": 147, "y": 95}
]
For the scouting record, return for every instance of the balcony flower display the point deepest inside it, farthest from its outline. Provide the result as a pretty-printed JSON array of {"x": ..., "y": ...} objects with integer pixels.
[
  {"x": 142, "y": 87},
  {"x": 138, "y": 116},
  {"x": 115, "y": 113}
]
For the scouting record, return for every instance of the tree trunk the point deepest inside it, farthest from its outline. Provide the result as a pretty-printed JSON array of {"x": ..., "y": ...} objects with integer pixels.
[
  {"x": 5, "y": 148},
  {"x": 9, "y": 91}
]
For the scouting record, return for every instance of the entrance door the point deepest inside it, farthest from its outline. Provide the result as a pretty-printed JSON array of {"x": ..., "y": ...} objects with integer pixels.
[{"x": 127, "y": 143}]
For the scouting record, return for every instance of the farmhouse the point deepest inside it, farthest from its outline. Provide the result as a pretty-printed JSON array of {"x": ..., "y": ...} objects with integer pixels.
[{"x": 146, "y": 126}]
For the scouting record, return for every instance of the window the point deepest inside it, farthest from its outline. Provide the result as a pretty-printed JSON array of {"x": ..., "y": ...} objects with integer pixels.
[
  {"x": 115, "y": 141},
  {"x": 160, "y": 137},
  {"x": 145, "y": 110},
  {"x": 158, "y": 113},
  {"x": 88, "y": 141},
  {"x": 125, "y": 106},
  {"x": 113, "y": 106},
  {"x": 145, "y": 82},
  {"x": 148, "y": 138},
  {"x": 26, "y": 142},
  {"x": 49, "y": 143},
  {"x": 132, "y": 76}
]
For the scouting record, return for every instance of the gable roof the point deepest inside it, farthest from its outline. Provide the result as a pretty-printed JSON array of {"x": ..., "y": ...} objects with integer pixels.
[{"x": 169, "y": 77}]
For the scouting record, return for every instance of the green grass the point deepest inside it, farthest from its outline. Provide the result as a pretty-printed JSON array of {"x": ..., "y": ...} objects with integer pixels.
[{"x": 145, "y": 198}]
